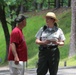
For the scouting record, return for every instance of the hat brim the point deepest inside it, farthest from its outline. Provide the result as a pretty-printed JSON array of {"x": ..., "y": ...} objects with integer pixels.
[{"x": 52, "y": 17}]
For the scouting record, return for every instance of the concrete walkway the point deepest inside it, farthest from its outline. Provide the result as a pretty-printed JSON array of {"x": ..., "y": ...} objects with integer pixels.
[{"x": 61, "y": 71}]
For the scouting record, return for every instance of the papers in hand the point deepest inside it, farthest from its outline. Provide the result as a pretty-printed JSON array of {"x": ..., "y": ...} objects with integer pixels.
[
  {"x": 20, "y": 65},
  {"x": 52, "y": 39}
]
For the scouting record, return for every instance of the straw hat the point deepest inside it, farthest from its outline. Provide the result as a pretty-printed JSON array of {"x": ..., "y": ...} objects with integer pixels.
[{"x": 52, "y": 15}]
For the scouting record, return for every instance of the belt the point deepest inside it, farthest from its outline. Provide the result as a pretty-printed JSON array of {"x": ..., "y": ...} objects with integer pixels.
[{"x": 42, "y": 47}]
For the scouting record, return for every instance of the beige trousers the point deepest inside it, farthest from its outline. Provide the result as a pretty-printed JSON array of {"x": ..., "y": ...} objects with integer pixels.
[{"x": 16, "y": 69}]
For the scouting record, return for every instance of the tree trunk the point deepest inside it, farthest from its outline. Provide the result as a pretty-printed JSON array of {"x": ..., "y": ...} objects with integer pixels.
[
  {"x": 69, "y": 3},
  {"x": 62, "y": 3},
  {"x": 5, "y": 29},
  {"x": 26, "y": 7},
  {"x": 48, "y": 4},
  {"x": 72, "y": 51},
  {"x": 41, "y": 5},
  {"x": 57, "y": 3}
]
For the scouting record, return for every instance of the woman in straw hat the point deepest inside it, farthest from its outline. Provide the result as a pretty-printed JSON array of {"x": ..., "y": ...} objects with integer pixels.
[{"x": 49, "y": 38}]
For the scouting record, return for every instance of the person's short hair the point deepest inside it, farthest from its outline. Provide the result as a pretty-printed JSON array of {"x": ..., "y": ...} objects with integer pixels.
[{"x": 20, "y": 18}]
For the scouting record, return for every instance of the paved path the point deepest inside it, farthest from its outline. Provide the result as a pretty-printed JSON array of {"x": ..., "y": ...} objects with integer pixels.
[{"x": 61, "y": 71}]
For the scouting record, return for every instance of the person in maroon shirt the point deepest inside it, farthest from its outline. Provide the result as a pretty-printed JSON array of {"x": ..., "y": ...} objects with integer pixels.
[{"x": 17, "y": 55}]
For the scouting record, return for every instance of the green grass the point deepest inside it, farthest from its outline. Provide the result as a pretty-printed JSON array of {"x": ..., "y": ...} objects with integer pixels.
[
  {"x": 69, "y": 62},
  {"x": 33, "y": 25},
  {"x": 2, "y": 44}
]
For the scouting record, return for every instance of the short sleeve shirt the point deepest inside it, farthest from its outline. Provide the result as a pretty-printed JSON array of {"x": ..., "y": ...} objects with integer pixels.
[
  {"x": 17, "y": 37},
  {"x": 54, "y": 33}
]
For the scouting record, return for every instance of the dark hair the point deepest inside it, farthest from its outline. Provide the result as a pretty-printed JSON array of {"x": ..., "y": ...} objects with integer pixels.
[
  {"x": 20, "y": 18},
  {"x": 55, "y": 24},
  {"x": 44, "y": 27}
]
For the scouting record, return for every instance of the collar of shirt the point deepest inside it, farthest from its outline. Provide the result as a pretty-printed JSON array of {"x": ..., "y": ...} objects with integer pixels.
[{"x": 52, "y": 29}]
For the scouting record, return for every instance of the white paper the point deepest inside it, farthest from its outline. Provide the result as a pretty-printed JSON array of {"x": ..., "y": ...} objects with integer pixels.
[
  {"x": 52, "y": 39},
  {"x": 20, "y": 65}
]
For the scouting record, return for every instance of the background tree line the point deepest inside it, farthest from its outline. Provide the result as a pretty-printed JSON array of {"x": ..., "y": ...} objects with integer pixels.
[{"x": 11, "y": 9}]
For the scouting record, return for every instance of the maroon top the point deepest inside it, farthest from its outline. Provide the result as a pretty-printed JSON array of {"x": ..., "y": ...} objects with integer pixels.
[{"x": 21, "y": 48}]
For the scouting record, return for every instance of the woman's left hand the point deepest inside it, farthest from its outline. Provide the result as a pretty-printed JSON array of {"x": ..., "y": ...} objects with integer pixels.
[{"x": 60, "y": 43}]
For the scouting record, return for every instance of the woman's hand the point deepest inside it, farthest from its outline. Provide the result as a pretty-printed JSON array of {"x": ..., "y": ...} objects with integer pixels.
[
  {"x": 47, "y": 42},
  {"x": 42, "y": 42},
  {"x": 60, "y": 43}
]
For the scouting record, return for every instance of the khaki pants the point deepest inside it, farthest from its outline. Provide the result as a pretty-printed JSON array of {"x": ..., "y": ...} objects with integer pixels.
[{"x": 16, "y": 70}]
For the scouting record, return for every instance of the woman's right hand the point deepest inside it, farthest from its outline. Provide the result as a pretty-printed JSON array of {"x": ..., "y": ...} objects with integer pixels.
[
  {"x": 47, "y": 42},
  {"x": 42, "y": 42}
]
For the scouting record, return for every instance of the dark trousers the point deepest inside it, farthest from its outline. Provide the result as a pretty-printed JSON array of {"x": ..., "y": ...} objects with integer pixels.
[{"x": 48, "y": 60}]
